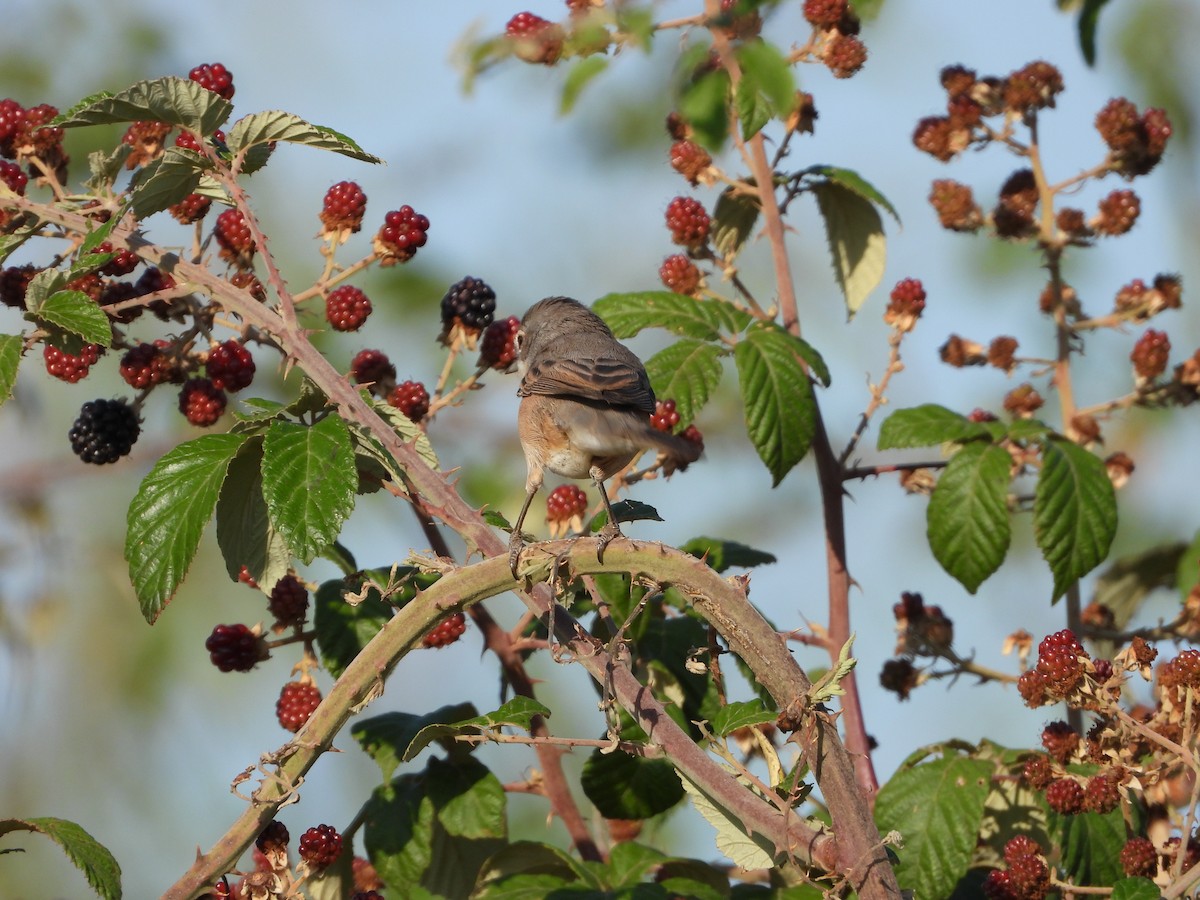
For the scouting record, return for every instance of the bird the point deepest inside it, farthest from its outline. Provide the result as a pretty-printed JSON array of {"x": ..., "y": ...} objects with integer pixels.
[{"x": 586, "y": 402}]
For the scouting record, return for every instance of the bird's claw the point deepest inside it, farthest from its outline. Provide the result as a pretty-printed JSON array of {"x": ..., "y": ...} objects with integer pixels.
[
  {"x": 610, "y": 532},
  {"x": 515, "y": 546}
]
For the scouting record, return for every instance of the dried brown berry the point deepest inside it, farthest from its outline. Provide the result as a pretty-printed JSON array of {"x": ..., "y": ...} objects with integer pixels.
[
  {"x": 845, "y": 55},
  {"x": 1038, "y": 772},
  {"x": 955, "y": 206},
  {"x": 959, "y": 352},
  {"x": 1118, "y": 211},
  {"x": 1033, "y": 87},
  {"x": 937, "y": 136},
  {"x": 899, "y": 676},
  {"x": 1001, "y": 353},
  {"x": 1061, "y": 741},
  {"x": 1150, "y": 355}
]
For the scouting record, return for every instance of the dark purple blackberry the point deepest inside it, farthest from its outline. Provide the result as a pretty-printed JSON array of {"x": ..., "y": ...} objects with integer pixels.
[
  {"x": 105, "y": 431},
  {"x": 471, "y": 304}
]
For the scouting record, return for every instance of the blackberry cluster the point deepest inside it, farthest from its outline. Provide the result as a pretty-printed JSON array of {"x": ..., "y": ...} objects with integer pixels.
[
  {"x": 679, "y": 274},
  {"x": 825, "y": 13},
  {"x": 374, "y": 368},
  {"x": 1021, "y": 403},
  {"x": 1026, "y": 868},
  {"x": 70, "y": 367},
  {"x": 235, "y": 648},
  {"x": 343, "y": 209},
  {"x": 297, "y": 702},
  {"x": 1013, "y": 216},
  {"x": 960, "y": 352},
  {"x": 123, "y": 262},
  {"x": 665, "y": 417},
  {"x": 347, "y": 308},
  {"x": 233, "y": 234},
  {"x": 249, "y": 283},
  {"x": 938, "y": 137},
  {"x": 288, "y": 602},
  {"x": 1102, "y": 792},
  {"x": 688, "y": 222},
  {"x": 1002, "y": 353},
  {"x": 446, "y": 632},
  {"x": 214, "y": 77},
  {"x": 1150, "y": 355},
  {"x": 899, "y": 676},
  {"x": 1038, "y": 772},
  {"x": 690, "y": 160},
  {"x": 468, "y": 307},
  {"x": 498, "y": 347},
  {"x": 145, "y": 366},
  {"x": 1032, "y": 87},
  {"x": 1072, "y": 222},
  {"x": 404, "y": 232},
  {"x": 410, "y": 398},
  {"x": 230, "y": 366},
  {"x": 105, "y": 431},
  {"x": 1061, "y": 741},
  {"x": 201, "y": 402},
  {"x": 320, "y": 846},
  {"x": 191, "y": 209},
  {"x": 1136, "y": 143}
]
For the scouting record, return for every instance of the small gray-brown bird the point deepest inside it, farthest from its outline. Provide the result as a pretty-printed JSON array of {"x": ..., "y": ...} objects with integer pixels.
[{"x": 586, "y": 406}]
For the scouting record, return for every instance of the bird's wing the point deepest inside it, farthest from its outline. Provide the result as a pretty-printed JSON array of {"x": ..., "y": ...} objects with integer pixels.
[{"x": 607, "y": 380}]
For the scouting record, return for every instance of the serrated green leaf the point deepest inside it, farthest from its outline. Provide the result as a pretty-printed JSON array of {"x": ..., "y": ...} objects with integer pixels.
[
  {"x": 410, "y": 431},
  {"x": 41, "y": 286},
  {"x": 687, "y": 372},
  {"x": 578, "y": 77},
  {"x": 76, "y": 312},
  {"x": 10, "y": 242},
  {"x": 967, "y": 519},
  {"x": 1025, "y": 429},
  {"x": 621, "y": 786},
  {"x": 927, "y": 425},
  {"x": 722, "y": 555},
  {"x": 398, "y": 831},
  {"x": 106, "y": 168},
  {"x": 857, "y": 245},
  {"x": 628, "y": 314},
  {"x": 176, "y": 101},
  {"x": 749, "y": 851},
  {"x": 10, "y": 362},
  {"x": 163, "y": 182},
  {"x": 276, "y": 125},
  {"x": 771, "y": 72},
  {"x": 516, "y": 713},
  {"x": 703, "y": 105},
  {"x": 1091, "y": 846},
  {"x": 1136, "y": 889},
  {"x": 343, "y": 630},
  {"x": 469, "y": 801},
  {"x": 168, "y": 514},
  {"x": 387, "y": 738},
  {"x": 937, "y": 807},
  {"x": 733, "y": 220},
  {"x": 753, "y": 108},
  {"x": 518, "y": 860},
  {"x": 309, "y": 479},
  {"x": 1089, "y": 17},
  {"x": 1074, "y": 512},
  {"x": 741, "y": 714},
  {"x": 629, "y": 863},
  {"x": 848, "y": 178},
  {"x": 92, "y": 858},
  {"x": 777, "y": 396},
  {"x": 244, "y": 531}
]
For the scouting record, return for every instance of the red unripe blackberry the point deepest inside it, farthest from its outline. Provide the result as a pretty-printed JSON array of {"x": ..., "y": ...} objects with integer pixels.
[
  {"x": 214, "y": 77},
  {"x": 410, "y": 398},
  {"x": 235, "y": 648},
  {"x": 664, "y": 417},
  {"x": 1139, "y": 858},
  {"x": 1038, "y": 772},
  {"x": 1102, "y": 794},
  {"x": 274, "y": 836},
  {"x": 690, "y": 160},
  {"x": 146, "y": 138},
  {"x": 1030, "y": 876},
  {"x": 566, "y": 504},
  {"x": 145, "y": 365},
  {"x": 320, "y": 846},
  {"x": 469, "y": 303},
  {"x": 249, "y": 283},
  {"x": 201, "y": 402},
  {"x": 374, "y": 368},
  {"x": 1061, "y": 741},
  {"x": 233, "y": 234},
  {"x": 688, "y": 222},
  {"x": 825, "y": 13},
  {"x": 366, "y": 879},
  {"x": 1065, "y": 797},
  {"x": 34, "y": 140},
  {"x": 403, "y": 233},
  {"x": 679, "y": 274},
  {"x": 11, "y": 174},
  {"x": 845, "y": 55},
  {"x": 297, "y": 702},
  {"x": 1150, "y": 354},
  {"x": 1118, "y": 211},
  {"x": 68, "y": 367},
  {"x": 446, "y": 632},
  {"x": 288, "y": 602},
  {"x": 535, "y": 40},
  {"x": 12, "y": 117},
  {"x": 693, "y": 434},
  {"x": 1157, "y": 129},
  {"x": 347, "y": 308},
  {"x": 246, "y": 578},
  {"x": 123, "y": 262},
  {"x": 498, "y": 348},
  {"x": 187, "y": 140},
  {"x": 1032, "y": 688},
  {"x": 1061, "y": 661},
  {"x": 343, "y": 209},
  {"x": 998, "y": 885},
  {"x": 191, "y": 209},
  {"x": 14, "y": 281},
  {"x": 905, "y": 305},
  {"x": 230, "y": 366},
  {"x": 105, "y": 431}
]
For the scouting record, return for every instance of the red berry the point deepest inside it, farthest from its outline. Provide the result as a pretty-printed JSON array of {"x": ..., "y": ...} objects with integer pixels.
[
  {"x": 1030, "y": 876},
  {"x": 145, "y": 365},
  {"x": 374, "y": 368},
  {"x": 233, "y": 234},
  {"x": 998, "y": 885},
  {"x": 188, "y": 140},
  {"x": 235, "y": 648},
  {"x": 1102, "y": 793},
  {"x": 201, "y": 402},
  {"x": 1038, "y": 772},
  {"x": 246, "y": 578},
  {"x": 1118, "y": 211},
  {"x": 12, "y": 117},
  {"x": 230, "y": 366},
  {"x": 688, "y": 222},
  {"x": 664, "y": 417},
  {"x": 123, "y": 262},
  {"x": 1150, "y": 354},
  {"x": 565, "y": 503},
  {"x": 297, "y": 702},
  {"x": 344, "y": 207},
  {"x": 693, "y": 434},
  {"x": 214, "y": 77},
  {"x": 497, "y": 349},
  {"x": 845, "y": 55},
  {"x": 347, "y": 308},
  {"x": 825, "y": 13},
  {"x": 68, "y": 367},
  {"x": 1065, "y": 797},
  {"x": 36, "y": 141},
  {"x": 1061, "y": 660},
  {"x": 690, "y": 160},
  {"x": 535, "y": 40},
  {"x": 11, "y": 174},
  {"x": 320, "y": 846},
  {"x": 1061, "y": 741},
  {"x": 907, "y": 304},
  {"x": 1139, "y": 858},
  {"x": 410, "y": 398},
  {"x": 249, "y": 283},
  {"x": 191, "y": 209},
  {"x": 679, "y": 274},
  {"x": 146, "y": 138},
  {"x": 403, "y": 233},
  {"x": 288, "y": 602},
  {"x": 446, "y": 632}
]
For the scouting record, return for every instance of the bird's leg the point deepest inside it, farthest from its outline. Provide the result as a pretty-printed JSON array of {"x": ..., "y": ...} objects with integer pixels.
[
  {"x": 611, "y": 529},
  {"x": 516, "y": 543}
]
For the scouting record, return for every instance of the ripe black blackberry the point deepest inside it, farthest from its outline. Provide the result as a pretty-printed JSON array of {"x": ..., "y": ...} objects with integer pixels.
[
  {"x": 230, "y": 366},
  {"x": 403, "y": 233},
  {"x": 468, "y": 307},
  {"x": 288, "y": 602},
  {"x": 497, "y": 348},
  {"x": 105, "y": 431},
  {"x": 201, "y": 402},
  {"x": 343, "y": 208},
  {"x": 347, "y": 308},
  {"x": 297, "y": 702},
  {"x": 14, "y": 281},
  {"x": 410, "y": 398},
  {"x": 235, "y": 648},
  {"x": 688, "y": 222},
  {"x": 214, "y": 77},
  {"x": 374, "y": 368},
  {"x": 446, "y": 632},
  {"x": 123, "y": 262},
  {"x": 320, "y": 846}
]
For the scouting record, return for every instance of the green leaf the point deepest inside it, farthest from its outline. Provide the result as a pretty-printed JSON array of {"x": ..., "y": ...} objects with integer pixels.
[
  {"x": 168, "y": 515},
  {"x": 1187, "y": 573},
  {"x": 749, "y": 851},
  {"x": 275, "y": 125},
  {"x": 628, "y": 314},
  {"x": 767, "y": 88},
  {"x": 518, "y": 712},
  {"x": 752, "y": 107},
  {"x": 1124, "y": 585},
  {"x": 167, "y": 180},
  {"x": 1089, "y": 17},
  {"x": 733, "y": 220},
  {"x": 629, "y": 787},
  {"x": 177, "y": 101},
  {"x": 578, "y": 77},
  {"x": 10, "y": 242},
  {"x": 10, "y": 361},
  {"x": 626, "y": 511},
  {"x": 244, "y": 531},
  {"x": 522, "y": 860},
  {"x": 857, "y": 245},
  {"x": 722, "y": 555},
  {"x": 967, "y": 518},
  {"x": 387, "y": 738},
  {"x": 829, "y": 684},
  {"x": 91, "y": 857},
  {"x": 106, "y": 168},
  {"x": 409, "y": 430},
  {"x": 76, "y": 312},
  {"x": 777, "y": 395},
  {"x": 741, "y": 714},
  {"x": 469, "y": 800},
  {"x": 342, "y": 629},
  {"x": 1091, "y": 846},
  {"x": 687, "y": 372},
  {"x": 937, "y": 807},
  {"x": 309, "y": 478},
  {"x": 703, "y": 105},
  {"x": 926, "y": 425},
  {"x": 1135, "y": 889},
  {"x": 850, "y": 179},
  {"x": 1074, "y": 512},
  {"x": 630, "y": 863}
]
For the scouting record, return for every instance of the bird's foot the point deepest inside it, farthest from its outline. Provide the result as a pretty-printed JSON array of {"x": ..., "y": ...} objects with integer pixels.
[
  {"x": 515, "y": 546},
  {"x": 610, "y": 532}
]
